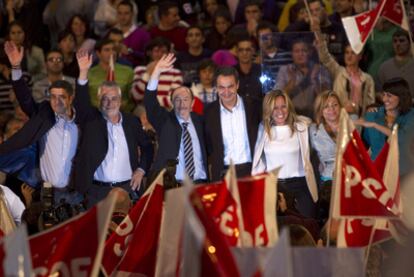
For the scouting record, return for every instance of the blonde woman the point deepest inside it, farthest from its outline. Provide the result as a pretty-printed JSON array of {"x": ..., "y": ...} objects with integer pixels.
[
  {"x": 283, "y": 140},
  {"x": 323, "y": 135}
]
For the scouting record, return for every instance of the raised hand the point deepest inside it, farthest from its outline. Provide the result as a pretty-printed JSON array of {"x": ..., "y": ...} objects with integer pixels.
[
  {"x": 14, "y": 54},
  {"x": 84, "y": 62},
  {"x": 166, "y": 63}
]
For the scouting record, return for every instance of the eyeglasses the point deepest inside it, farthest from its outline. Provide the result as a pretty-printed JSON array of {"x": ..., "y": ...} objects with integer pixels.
[{"x": 55, "y": 60}]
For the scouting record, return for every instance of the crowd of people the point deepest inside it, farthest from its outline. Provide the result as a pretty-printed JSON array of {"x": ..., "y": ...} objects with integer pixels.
[{"x": 195, "y": 86}]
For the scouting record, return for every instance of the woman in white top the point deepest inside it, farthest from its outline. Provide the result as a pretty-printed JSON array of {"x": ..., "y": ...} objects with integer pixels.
[{"x": 283, "y": 140}]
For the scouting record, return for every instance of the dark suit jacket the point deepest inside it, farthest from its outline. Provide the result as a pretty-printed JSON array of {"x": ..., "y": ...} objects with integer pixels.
[
  {"x": 42, "y": 118},
  {"x": 94, "y": 142},
  {"x": 169, "y": 131},
  {"x": 214, "y": 136}
]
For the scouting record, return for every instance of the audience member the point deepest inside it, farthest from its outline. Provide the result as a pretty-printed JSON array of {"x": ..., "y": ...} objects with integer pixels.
[
  {"x": 98, "y": 73},
  {"x": 135, "y": 38},
  {"x": 355, "y": 87},
  {"x": 79, "y": 26},
  {"x": 168, "y": 26},
  {"x": 168, "y": 81},
  {"x": 205, "y": 89},
  {"x": 66, "y": 45},
  {"x": 249, "y": 72},
  {"x": 283, "y": 141},
  {"x": 189, "y": 60},
  {"x": 397, "y": 109},
  {"x": 54, "y": 71},
  {"x": 402, "y": 64},
  {"x": 33, "y": 60},
  {"x": 217, "y": 38},
  {"x": 272, "y": 54},
  {"x": 303, "y": 79}
]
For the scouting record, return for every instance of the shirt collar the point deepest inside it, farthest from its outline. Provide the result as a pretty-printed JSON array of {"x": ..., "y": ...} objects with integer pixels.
[
  {"x": 115, "y": 124},
  {"x": 236, "y": 107},
  {"x": 69, "y": 120},
  {"x": 181, "y": 120}
]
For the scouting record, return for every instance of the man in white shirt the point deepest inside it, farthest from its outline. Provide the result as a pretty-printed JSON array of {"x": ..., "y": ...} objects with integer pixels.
[{"x": 231, "y": 126}]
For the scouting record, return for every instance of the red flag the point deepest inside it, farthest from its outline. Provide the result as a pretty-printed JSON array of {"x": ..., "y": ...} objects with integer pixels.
[
  {"x": 119, "y": 241},
  {"x": 258, "y": 205},
  {"x": 14, "y": 254},
  {"x": 75, "y": 247},
  {"x": 110, "y": 76},
  {"x": 394, "y": 11},
  {"x": 359, "y": 190},
  {"x": 140, "y": 255},
  {"x": 198, "y": 106},
  {"x": 213, "y": 257},
  {"x": 360, "y": 26}
]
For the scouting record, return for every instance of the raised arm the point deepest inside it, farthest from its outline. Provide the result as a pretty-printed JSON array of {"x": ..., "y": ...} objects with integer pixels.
[
  {"x": 82, "y": 101},
  {"x": 156, "y": 114},
  {"x": 21, "y": 89}
]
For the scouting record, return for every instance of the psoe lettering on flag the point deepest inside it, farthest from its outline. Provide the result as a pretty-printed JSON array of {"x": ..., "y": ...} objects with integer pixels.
[
  {"x": 74, "y": 247},
  {"x": 359, "y": 190}
]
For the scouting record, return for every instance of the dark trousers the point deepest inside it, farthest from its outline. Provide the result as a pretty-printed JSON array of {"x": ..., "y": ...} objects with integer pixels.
[
  {"x": 98, "y": 192},
  {"x": 299, "y": 188},
  {"x": 242, "y": 170}
]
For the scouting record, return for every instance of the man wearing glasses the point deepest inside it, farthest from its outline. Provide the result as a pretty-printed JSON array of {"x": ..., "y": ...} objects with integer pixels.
[{"x": 54, "y": 69}]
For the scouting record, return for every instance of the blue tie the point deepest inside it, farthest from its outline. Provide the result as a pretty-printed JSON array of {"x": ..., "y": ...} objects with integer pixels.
[{"x": 188, "y": 151}]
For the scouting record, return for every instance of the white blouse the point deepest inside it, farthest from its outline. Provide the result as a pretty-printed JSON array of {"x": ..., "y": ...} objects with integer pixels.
[{"x": 283, "y": 149}]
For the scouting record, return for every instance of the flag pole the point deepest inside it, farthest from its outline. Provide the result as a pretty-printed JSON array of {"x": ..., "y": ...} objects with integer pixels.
[
  {"x": 371, "y": 238},
  {"x": 410, "y": 36}
]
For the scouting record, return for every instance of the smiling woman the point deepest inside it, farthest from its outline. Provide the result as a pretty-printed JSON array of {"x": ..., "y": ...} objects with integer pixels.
[
  {"x": 397, "y": 110},
  {"x": 283, "y": 141}
]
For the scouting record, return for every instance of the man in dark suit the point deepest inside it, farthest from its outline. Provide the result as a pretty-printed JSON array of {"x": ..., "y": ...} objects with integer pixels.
[
  {"x": 231, "y": 124},
  {"x": 52, "y": 128},
  {"x": 108, "y": 151},
  {"x": 180, "y": 132}
]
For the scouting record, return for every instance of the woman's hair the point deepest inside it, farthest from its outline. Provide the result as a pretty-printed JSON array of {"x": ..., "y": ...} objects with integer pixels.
[
  {"x": 300, "y": 236},
  {"x": 320, "y": 103},
  {"x": 26, "y": 44},
  {"x": 268, "y": 106},
  {"x": 85, "y": 22},
  {"x": 224, "y": 13},
  {"x": 399, "y": 87}
]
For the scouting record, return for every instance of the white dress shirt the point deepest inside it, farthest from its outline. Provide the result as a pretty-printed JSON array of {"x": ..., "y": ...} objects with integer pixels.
[
  {"x": 116, "y": 167},
  {"x": 200, "y": 172},
  {"x": 57, "y": 149},
  {"x": 235, "y": 137},
  {"x": 14, "y": 204}
]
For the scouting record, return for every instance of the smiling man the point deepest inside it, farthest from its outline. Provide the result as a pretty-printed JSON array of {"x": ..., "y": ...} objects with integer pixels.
[
  {"x": 231, "y": 126},
  {"x": 180, "y": 131},
  {"x": 52, "y": 127}
]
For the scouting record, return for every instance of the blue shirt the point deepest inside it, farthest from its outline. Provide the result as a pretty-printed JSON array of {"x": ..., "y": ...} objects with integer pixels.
[
  {"x": 376, "y": 140},
  {"x": 57, "y": 149}
]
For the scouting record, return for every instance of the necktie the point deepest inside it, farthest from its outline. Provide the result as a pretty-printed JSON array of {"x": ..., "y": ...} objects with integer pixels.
[{"x": 188, "y": 151}]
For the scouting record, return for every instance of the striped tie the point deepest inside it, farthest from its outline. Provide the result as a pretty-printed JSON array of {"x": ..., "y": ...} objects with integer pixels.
[{"x": 188, "y": 151}]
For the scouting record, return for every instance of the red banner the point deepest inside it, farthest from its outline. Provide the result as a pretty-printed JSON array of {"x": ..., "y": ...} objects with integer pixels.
[
  {"x": 257, "y": 196},
  {"x": 117, "y": 244},
  {"x": 394, "y": 11},
  {"x": 73, "y": 248}
]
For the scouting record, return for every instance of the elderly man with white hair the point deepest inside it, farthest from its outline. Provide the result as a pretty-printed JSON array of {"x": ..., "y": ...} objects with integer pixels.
[{"x": 108, "y": 152}]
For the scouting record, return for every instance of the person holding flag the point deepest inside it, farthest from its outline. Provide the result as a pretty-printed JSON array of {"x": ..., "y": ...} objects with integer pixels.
[{"x": 397, "y": 109}]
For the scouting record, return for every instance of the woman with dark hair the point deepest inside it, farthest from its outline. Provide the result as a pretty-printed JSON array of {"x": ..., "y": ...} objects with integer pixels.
[
  {"x": 222, "y": 22},
  {"x": 283, "y": 140},
  {"x": 34, "y": 59},
  {"x": 79, "y": 26},
  {"x": 397, "y": 109},
  {"x": 66, "y": 44}
]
